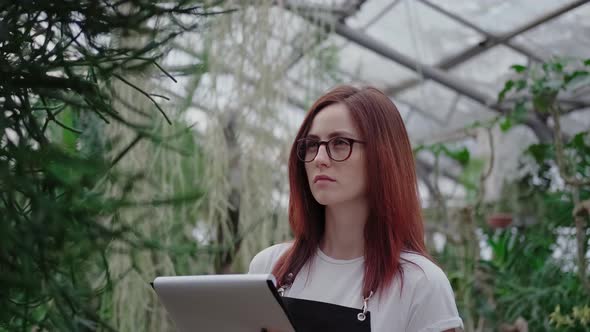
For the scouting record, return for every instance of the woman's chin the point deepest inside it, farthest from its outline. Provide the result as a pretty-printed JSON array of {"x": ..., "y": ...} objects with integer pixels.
[
  {"x": 336, "y": 198},
  {"x": 326, "y": 199}
]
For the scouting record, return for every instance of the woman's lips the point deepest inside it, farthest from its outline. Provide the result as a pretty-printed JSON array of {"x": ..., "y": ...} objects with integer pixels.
[{"x": 322, "y": 178}]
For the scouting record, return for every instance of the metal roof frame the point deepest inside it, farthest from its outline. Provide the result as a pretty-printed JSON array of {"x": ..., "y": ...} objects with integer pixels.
[
  {"x": 489, "y": 41},
  {"x": 439, "y": 74}
]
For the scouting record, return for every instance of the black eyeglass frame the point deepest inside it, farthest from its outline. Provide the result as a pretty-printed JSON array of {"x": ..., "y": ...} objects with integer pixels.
[{"x": 350, "y": 141}]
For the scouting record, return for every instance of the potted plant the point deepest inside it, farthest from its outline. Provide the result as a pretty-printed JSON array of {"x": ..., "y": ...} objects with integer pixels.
[{"x": 498, "y": 220}]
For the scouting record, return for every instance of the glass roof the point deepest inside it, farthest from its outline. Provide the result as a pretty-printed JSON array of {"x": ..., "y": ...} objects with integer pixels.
[
  {"x": 469, "y": 45},
  {"x": 453, "y": 35}
]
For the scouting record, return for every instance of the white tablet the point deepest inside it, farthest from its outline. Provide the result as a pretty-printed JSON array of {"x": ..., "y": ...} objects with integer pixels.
[{"x": 232, "y": 302}]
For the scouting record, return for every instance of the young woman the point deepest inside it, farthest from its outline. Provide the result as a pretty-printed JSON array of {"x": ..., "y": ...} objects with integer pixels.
[{"x": 358, "y": 261}]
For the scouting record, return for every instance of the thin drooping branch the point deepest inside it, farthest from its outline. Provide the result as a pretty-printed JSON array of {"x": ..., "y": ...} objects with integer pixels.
[
  {"x": 484, "y": 176},
  {"x": 145, "y": 94}
]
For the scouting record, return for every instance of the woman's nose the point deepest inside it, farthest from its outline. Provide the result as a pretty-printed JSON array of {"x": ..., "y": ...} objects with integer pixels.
[{"x": 322, "y": 157}]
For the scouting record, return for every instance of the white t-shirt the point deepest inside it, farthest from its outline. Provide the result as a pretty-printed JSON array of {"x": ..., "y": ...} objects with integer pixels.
[{"x": 427, "y": 303}]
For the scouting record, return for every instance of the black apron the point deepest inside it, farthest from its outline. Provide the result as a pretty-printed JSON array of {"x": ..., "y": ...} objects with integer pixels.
[{"x": 315, "y": 316}]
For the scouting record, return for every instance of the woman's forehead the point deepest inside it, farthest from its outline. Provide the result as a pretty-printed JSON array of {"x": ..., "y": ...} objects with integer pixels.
[{"x": 333, "y": 120}]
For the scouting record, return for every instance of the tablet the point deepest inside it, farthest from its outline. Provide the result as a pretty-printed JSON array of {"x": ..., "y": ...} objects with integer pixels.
[{"x": 230, "y": 302}]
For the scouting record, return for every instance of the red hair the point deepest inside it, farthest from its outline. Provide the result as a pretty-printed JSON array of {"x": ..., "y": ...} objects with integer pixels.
[{"x": 394, "y": 223}]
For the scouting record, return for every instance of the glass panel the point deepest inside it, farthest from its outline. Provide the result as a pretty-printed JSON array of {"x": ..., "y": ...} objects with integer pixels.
[
  {"x": 499, "y": 17},
  {"x": 369, "y": 10},
  {"x": 422, "y": 33},
  {"x": 489, "y": 70},
  {"x": 367, "y": 66},
  {"x": 566, "y": 35}
]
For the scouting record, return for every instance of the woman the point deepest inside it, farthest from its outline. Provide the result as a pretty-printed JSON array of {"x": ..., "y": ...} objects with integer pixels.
[{"x": 358, "y": 261}]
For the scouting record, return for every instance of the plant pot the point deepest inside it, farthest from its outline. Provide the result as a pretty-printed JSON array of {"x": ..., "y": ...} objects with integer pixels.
[{"x": 499, "y": 220}]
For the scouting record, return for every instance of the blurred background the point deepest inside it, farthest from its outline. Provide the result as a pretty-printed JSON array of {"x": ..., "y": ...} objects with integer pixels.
[{"x": 145, "y": 138}]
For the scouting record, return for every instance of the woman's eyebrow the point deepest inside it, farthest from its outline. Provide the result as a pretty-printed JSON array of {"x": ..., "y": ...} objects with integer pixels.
[{"x": 333, "y": 134}]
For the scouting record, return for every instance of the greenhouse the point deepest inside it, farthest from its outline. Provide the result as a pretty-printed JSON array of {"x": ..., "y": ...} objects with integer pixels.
[{"x": 162, "y": 138}]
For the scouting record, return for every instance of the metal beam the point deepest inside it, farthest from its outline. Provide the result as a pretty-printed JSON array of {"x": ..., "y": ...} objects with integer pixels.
[
  {"x": 430, "y": 72},
  {"x": 486, "y": 44},
  {"x": 488, "y": 35},
  {"x": 346, "y": 10}
]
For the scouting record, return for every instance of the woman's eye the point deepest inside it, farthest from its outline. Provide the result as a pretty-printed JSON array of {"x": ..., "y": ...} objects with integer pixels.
[
  {"x": 312, "y": 145},
  {"x": 340, "y": 141}
]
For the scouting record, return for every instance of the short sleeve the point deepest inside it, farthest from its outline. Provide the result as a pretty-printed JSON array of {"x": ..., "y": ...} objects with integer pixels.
[
  {"x": 265, "y": 260},
  {"x": 433, "y": 306}
]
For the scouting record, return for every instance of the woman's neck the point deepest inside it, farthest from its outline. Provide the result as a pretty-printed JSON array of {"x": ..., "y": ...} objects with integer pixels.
[{"x": 344, "y": 234}]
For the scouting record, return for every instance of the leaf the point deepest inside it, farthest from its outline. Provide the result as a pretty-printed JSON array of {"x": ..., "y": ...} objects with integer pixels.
[
  {"x": 462, "y": 156},
  {"x": 577, "y": 79},
  {"x": 69, "y": 138},
  {"x": 540, "y": 152},
  {"x": 507, "y": 87},
  {"x": 542, "y": 101},
  {"x": 419, "y": 148},
  {"x": 520, "y": 112},
  {"x": 587, "y": 62},
  {"x": 552, "y": 67},
  {"x": 578, "y": 140},
  {"x": 568, "y": 77},
  {"x": 578, "y": 143},
  {"x": 505, "y": 124},
  {"x": 521, "y": 84},
  {"x": 558, "y": 67},
  {"x": 518, "y": 68}
]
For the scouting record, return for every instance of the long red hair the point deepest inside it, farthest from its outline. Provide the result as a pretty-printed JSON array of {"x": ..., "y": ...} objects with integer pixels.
[{"x": 395, "y": 221}]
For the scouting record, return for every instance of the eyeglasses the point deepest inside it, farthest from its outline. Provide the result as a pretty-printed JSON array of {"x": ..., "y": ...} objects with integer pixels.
[{"x": 338, "y": 148}]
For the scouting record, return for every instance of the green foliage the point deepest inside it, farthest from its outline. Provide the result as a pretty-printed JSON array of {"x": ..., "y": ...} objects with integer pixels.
[
  {"x": 523, "y": 278},
  {"x": 471, "y": 167},
  {"x": 576, "y": 150},
  {"x": 517, "y": 116},
  {"x": 554, "y": 76},
  {"x": 535, "y": 88},
  {"x": 56, "y": 220},
  {"x": 533, "y": 295}
]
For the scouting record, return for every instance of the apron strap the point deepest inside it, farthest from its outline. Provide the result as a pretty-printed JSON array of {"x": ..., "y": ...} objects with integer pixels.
[{"x": 361, "y": 316}]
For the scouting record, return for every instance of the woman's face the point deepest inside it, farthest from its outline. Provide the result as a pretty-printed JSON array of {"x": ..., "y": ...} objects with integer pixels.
[{"x": 334, "y": 182}]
